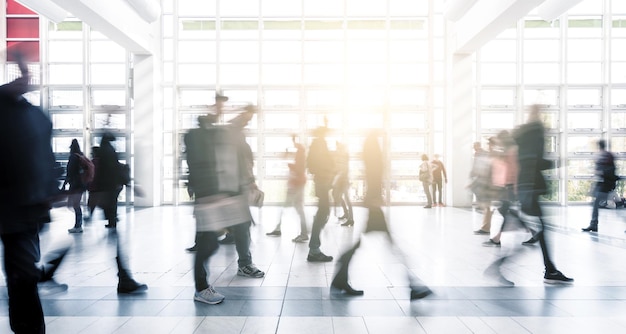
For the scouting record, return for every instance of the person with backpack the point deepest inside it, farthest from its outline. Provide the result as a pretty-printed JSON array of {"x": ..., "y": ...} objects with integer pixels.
[
  {"x": 605, "y": 182},
  {"x": 80, "y": 171}
]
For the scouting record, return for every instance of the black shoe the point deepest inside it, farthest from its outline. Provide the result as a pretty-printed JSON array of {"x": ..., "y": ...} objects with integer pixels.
[
  {"x": 349, "y": 222},
  {"x": 345, "y": 287},
  {"x": 228, "y": 239},
  {"x": 192, "y": 248},
  {"x": 319, "y": 257},
  {"x": 276, "y": 233},
  {"x": 427, "y": 206},
  {"x": 110, "y": 225},
  {"x": 530, "y": 241},
  {"x": 131, "y": 286},
  {"x": 419, "y": 293},
  {"x": 481, "y": 232},
  {"x": 590, "y": 228},
  {"x": 47, "y": 271},
  {"x": 344, "y": 217},
  {"x": 556, "y": 277}
]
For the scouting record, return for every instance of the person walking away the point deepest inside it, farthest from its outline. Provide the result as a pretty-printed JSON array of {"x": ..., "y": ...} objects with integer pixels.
[
  {"x": 605, "y": 182},
  {"x": 426, "y": 177},
  {"x": 440, "y": 177},
  {"x": 481, "y": 184},
  {"x": 79, "y": 173}
]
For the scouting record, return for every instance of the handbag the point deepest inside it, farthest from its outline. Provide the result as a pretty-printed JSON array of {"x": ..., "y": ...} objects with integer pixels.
[
  {"x": 214, "y": 213},
  {"x": 256, "y": 197}
]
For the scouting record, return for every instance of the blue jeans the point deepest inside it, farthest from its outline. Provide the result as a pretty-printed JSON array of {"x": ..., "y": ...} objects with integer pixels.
[{"x": 599, "y": 198}]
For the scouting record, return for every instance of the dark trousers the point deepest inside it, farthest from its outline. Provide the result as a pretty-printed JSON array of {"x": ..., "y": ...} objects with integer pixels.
[
  {"x": 207, "y": 244},
  {"x": 109, "y": 204},
  {"x": 73, "y": 200},
  {"x": 321, "y": 216},
  {"x": 529, "y": 200},
  {"x": 21, "y": 253}
]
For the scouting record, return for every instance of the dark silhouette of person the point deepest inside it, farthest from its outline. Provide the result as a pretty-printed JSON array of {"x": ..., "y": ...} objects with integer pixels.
[
  {"x": 440, "y": 176},
  {"x": 605, "y": 182},
  {"x": 373, "y": 159},
  {"x": 29, "y": 185},
  {"x": 320, "y": 164},
  {"x": 77, "y": 187}
]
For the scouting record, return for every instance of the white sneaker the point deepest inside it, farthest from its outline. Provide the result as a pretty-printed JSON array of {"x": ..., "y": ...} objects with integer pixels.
[
  {"x": 75, "y": 230},
  {"x": 209, "y": 296}
]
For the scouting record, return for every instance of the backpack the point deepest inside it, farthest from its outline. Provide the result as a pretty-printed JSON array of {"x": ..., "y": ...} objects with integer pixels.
[
  {"x": 123, "y": 174},
  {"x": 87, "y": 169}
]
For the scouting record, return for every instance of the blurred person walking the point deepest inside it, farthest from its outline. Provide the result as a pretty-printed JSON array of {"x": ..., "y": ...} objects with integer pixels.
[
  {"x": 341, "y": 184},
  {"x": 295, "y": 191},
  {"x": 440, "y": 177},
  {"x": 29, "y": 186},
  {"x": 373, "y": 159},
  {"x": 530, "y": 139},
  {"x": 480, "y": 184},
  {"x": 320, "y": 163},
  {"x": 426, "y": 177},
  {"x": 605, "y": 182},
  {"x": 80, "y": 172}
]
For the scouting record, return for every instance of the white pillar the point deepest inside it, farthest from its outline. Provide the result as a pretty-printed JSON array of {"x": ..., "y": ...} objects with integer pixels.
[
  {"x": 461, "y": 128},
  {"x": 148, "y": 130}
]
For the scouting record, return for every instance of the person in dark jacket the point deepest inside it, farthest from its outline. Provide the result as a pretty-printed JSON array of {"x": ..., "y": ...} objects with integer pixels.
[
  {"x": 77, "y": 187},
  {"x": 28, "y": 187},
  {"x": 530, "y": 139},
  {"x": 606, "y": 178},
  {"x": 107, "y": 179}
]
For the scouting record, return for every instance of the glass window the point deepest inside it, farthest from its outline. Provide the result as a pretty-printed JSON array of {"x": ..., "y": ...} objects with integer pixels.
[
  {"x": 366, "y": 74},
  {"x": 195, "y": 97},
  {"x": 618, "y": 97},
  {"x": 66, "y": 74},
  {"x": 408, "y": 144},
  {"x": 189, "y": 120},
  {"x": 617, "y": 49},
  {"x": 408, "y": 97},
  {"x": 366, "y": 97},
  {"x": 277, "y": 144},
  {"x": 282, "y": 121},
  {"x": 22, "y": 27},
  {"x": 584, "y": 97},
  {"x": 239, "y": 51},
  {"x": 579, "y": 190},
  {"x": 237, "y": 29},
  {"x": 407, "y": 191},
  {"x": 618, "y": 120},
  {"x": 107, "y": 51},
  {"x": 584, "y": 26},
  {"x": 415, "y": 28},
  {"x": 584, "y": 120},
  {"x": 282, "y": 29},
  {"x": 408, "y": 120},
  {"x": 400, "y": 51},
  {"x": 408, "y": 8},
  {"x": 366, "y": 7},
  {"x": 240, "y": 98},
  {"x": 281, "y": 98},
  {"x": 119, "y": 144},
  {"x": 584, "y": 73},
  {"x": 108, "y": 97},
  {"x": 618, "y": 72},
  {"x": 534, "y": 28},
  {"x": 499, "y": 50},
  {"x": 314, "y": 8},
  {"x": 405, "y": 167},
  {"x": 65, "y": 51},
  {"x": 275, "y": 167},
  {"x": 497, "y": 97},
  {"x": 109, "y": 121},
  {"x": 168, "y": 25},
  {"x": 408, "y": 74},
  {"x": 195, "y": 8},
  {"x": 66, "y": 98},
  {"x": 548, "y": 97},
  {"x": 541, "y": 73},
  {"x": 282, "y": 74},
  {"x": 498, "y": 74},
  {"x": 324, "y": 98},
  {"x": 196, "y": 28},
  {"x": 190, "y": 74},
  {"x": 582, "y": 144},
  {"x": 541, "y": 50},
  {"x": 323, "y": 74},
  {"x": 578, "y": 167},
  {"x": 65, "y": 30},
  {"x": 357, "y": 121},
  {"x": 497, "y": 120},
  {"x": 62, "y": 144},
  {"x": 618, "y": 144},
  {"x": 108, "y": 74},
  {"x": 323, "y": 51},
  {"x": 313, "y": 121},
  {"x": 67, "y": 121},
  {"x": 239, "y": 8},
  {"x": 584, "y": 49},
  {"x": 586, "y": 7},
  {"x": 366, "y": 51},
  {"x": 281, "y": 8},
  {"x": 282, "y": 51},
  {"x": 197, "y": 51},
  {"x": 239, "y": 74}
]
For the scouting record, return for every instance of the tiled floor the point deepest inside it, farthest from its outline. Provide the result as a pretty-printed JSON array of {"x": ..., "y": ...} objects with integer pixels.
[{"x": 294, "y": 296}]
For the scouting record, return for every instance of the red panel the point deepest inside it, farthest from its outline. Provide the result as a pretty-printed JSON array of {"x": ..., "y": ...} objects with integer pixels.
[
  {"x": 16, "y": 8},
  {"x": 21, "y": 27},
  {"x": 30, "y": 51}
]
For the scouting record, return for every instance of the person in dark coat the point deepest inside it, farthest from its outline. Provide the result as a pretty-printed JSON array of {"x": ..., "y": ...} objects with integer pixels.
[
  {"x": 606, "y": 178},
  {"x": 77, "y": 187},
  {"x": 28, "y": 180},
  {"x": 374, "y": 173},
  {"x": 530, "y": 139},
  {"x": 107, "y": 179}
]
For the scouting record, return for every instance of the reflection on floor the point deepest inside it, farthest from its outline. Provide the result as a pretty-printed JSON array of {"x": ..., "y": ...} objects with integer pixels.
[{"x": 294, "y": 296}]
